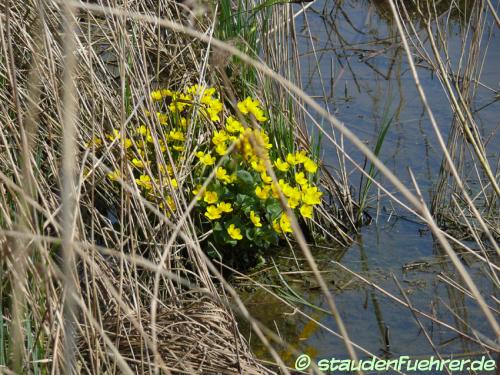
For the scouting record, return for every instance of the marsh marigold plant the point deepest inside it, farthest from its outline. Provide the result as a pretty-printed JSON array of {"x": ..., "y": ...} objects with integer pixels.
[{"x": 241, "y": 205}]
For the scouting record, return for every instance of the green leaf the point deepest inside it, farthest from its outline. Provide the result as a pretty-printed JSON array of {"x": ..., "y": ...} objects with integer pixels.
[
  {"x": 218, "y": 227},
  {"x": 250, "y": 234},
  {"x": 245, "y": 201},
  {"x": 273, "y": 208},
  {"x": 245, "y": 177},
  {"x": 270, "y": 237},
  {"x": 219, "y": 236}
]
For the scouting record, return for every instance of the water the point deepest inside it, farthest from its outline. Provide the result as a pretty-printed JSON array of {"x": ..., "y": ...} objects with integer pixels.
[{"x": 361, "y": 91}]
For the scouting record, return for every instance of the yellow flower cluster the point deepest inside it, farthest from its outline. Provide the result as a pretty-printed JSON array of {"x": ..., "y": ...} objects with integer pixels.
[
  {"x": 283, "y": 225},
  {"x": 254, "y": 145},
  {"x": 222, "y": 175},
  {"x": 205, "y": 159},
  {"x": 213, "y": 211},
  {"x": 173, "y": 111},
  {"x": 304, "y": 192},
  {"x": 252, "y": 106},
  {"x": 241, "y": 202}
]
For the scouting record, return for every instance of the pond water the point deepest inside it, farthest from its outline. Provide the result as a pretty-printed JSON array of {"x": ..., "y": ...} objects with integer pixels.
[{"x": 365, "y": 76}]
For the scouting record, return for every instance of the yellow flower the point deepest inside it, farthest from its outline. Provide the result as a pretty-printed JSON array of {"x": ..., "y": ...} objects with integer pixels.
[
  {"x": 114, "y": 176},
  {"x": 219, "y": 137},
  {"x": 276, "y": 226},
  {"x": 301, "y": 179},
  {"x": 212, "y": 213},
  {"x": 285, "y": 224},
  {"x": 140, "y": 146},
  {"x": 285, "y": 187},
  {"x": 244, "y": 144},
  {"x": 310, "y": 166},
  {"x": 258, "y": 165},
  {"x": 290, "y": 158},
  {"x": 293, "y": 195},
  {"x": 210, "y": 197},
  {"x": 282, "y": 166},
  {"x": 221, "y": 149},
  {"x": 196, "y": 89},
  {"x": 210, "y": 91},
  {"x": 184, "y": 122},
  {"x": 205, "y": 159},
  {"x": 141, "y": 130},
  {"x": 116, "y": 135},
  {"x": 213, "y": 110},
  {"x": 174, "y": 183},
  {"x": 259, "y": 115},
  {"x": 275, "y": 190},
  {"x": 311, "y": 196},
  {"x": 233, "y": 125},
  {"x": 306, "y": 211},
  {"x": 225, "y": 207},
  {"x": 221, "y": 174},
  {"x": 137, "y": 163},
  {"x": 215, "y": 104},
  {"x": 265, "y": 178},
  {"x": 178, "y": 148},
  {"x": 242, "y": 106},
  {"x": 210, "y": 114},
  {"x": 163, "y": 147},
  {"x": 170, "y": 204},
  {"x": 179, "y": 102},
  {"x": 247, "y": 149},
  {"x": 262, "y": 139},
  {"x": 127, "y": 143},
  {"x": 255, "y": 219},
  {"x": 252, "y": 106},
  {"x": 196, "y": 190},
  {"x": 301, "y": 156},
  {"x": 293, "y": 201},
  {"x": 156, "y": 95},
  {"x": 262, "y": 192},
  {"x": 166, "y": 93},
  {"x": 144, "y": 181},
  {"x": 162, "y": 118},
  {"x": 176, "y": 135},
  {"x": 207, "y": 100},
  {"x": 166, "y": 169},
  {"x": 234, "y": 233}
]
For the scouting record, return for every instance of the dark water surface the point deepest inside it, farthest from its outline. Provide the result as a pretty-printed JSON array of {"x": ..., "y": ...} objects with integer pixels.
[{"x": 361, "y": 90}]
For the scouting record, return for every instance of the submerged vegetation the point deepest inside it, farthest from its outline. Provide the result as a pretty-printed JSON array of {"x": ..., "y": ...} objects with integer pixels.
[{"x": 151, "y": 148}]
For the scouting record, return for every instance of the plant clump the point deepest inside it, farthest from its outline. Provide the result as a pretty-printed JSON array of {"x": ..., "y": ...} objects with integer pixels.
[{"x": 240, "y": 205}]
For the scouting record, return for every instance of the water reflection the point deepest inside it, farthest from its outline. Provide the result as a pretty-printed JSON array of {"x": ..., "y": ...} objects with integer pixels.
[{"x": 351, "y": 59}]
